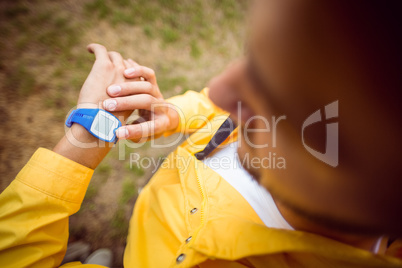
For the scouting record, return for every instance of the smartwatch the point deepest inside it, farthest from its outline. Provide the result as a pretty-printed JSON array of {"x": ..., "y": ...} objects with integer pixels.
[{"x": 99, "y": 123}]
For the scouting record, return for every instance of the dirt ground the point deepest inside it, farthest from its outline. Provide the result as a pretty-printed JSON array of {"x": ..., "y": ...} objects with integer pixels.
[{"x": 43, "y": 63}]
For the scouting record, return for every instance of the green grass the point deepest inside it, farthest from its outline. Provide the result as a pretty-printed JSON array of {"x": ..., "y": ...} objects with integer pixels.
[
  {"x": 45, "y": 29},
  {"x": 92, "y": 191},
  {"x": 49, "y": 102},
  {"x": 134, "y": 168},
  {"x": 169, "y": 35},
  {"x": 120, "y": 225},
  {"x": 148, "y": 31},
  {"x": 61, "y": 22},
  {"x": 54, "y": 32},
  {"x": 119, "y": 222},
  {"x": 168, "y": 19},
  {"x": 195, "y": 50},
  {"x": 128, "y": 191},
  {"x": 103, "y": 171},
  {"x": 22, "y": 41},
  {"x": 122, "y": 17},
  {"x": 104, "y": 168},
  {"x": 138, "y": 171},
  {"x": 148, "y": 14},
  {"x": 232, "y": 10},
  {"x": 21, "y": 80},
  {"x": 42, "y": 18},
  {"x": 167, "y": 83},
  {"x": 99, "y": 7}
]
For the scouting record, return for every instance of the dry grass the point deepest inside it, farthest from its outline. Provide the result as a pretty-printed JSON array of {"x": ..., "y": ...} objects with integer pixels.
[{"x": 43, "y": 63}]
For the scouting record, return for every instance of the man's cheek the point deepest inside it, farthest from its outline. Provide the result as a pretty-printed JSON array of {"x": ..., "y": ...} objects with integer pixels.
[{"x": 257, "y": 133}]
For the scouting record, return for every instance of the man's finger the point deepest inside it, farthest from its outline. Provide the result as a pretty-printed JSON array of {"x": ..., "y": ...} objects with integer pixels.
[
  {"x": 137, "y": 131},
  {"x": 130, "y": 103},
  {"x": 116, "y": 59},
  {"x": 127, "y": 64},
  {"x": 99, "y": 51},
  {"x": 132, "y": 64},
  {"x": 141, "y": 71},
  {"x": 143, "y": 130},
  {"x": 131, "y": 88}
]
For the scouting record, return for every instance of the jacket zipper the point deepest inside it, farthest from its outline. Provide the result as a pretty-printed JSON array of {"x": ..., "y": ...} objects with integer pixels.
[{"x": 203, "y": 204}]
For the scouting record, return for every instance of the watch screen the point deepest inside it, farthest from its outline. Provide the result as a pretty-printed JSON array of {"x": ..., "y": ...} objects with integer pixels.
[{"x": 103, "y": 124}]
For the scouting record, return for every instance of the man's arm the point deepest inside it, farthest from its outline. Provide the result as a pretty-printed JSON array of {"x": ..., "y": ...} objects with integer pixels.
[
  {"x": 35, "y": 207},
  {"x": 89, "y": 157}
]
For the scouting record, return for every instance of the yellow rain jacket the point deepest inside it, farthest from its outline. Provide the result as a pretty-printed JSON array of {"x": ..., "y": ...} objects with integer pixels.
[{"x": 186, "y": 216}]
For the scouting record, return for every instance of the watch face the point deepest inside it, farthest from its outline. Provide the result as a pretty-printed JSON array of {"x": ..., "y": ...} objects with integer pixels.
[{"x": 104, "y": 125}]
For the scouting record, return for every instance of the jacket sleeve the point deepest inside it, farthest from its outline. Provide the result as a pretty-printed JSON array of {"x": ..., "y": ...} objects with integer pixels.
[
  {"x": 35, "y": 207},
  {"x": 195, "y": 109}
]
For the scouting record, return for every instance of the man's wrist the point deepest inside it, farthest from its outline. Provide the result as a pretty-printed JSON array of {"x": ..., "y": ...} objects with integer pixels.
[
  {"x": 82, "y": 147},
  {"x": 81, "y": 135}
]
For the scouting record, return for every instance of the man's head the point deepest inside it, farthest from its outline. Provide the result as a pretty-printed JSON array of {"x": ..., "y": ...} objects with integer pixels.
[{"x": 304, "y": 55}]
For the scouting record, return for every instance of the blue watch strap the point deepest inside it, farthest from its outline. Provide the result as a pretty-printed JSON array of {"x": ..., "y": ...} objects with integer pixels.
[{"x": 86, "y": 118}]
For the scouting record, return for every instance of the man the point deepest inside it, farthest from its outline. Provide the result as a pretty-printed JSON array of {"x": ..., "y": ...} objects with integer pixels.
[{"x": 303, "y": 56}]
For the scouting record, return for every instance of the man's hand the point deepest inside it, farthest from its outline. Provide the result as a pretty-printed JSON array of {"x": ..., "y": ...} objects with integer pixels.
[
  {"x": 78, "y": 144},
  {"x": 157, "y": 116},
  {"x": 107, "y": 69}
]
